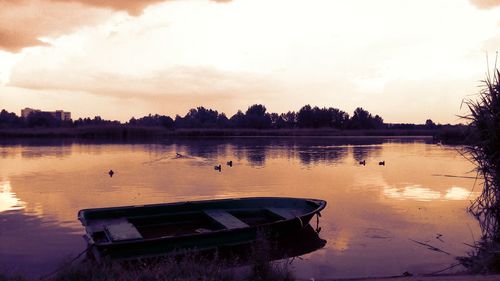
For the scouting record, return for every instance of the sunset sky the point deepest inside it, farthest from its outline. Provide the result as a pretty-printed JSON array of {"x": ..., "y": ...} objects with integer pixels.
[{"x": 404, "y": 60}]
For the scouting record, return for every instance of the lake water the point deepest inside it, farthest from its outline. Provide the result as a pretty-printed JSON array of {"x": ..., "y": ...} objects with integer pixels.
[{"x": 373, "y": 214}]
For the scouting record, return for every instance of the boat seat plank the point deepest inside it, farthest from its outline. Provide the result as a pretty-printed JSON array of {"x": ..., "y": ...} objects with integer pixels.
[
  {"x": 99, "y": 225},
  {"x": 226, "y": 219},
  {"x": 284, "y": 212},
  {"x": 122, "y": 230}
]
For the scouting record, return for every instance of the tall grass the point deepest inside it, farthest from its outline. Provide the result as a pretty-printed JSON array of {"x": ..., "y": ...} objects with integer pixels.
[
  {"x": 256, "y": 265},
  {"x": 483, "y": 149}
]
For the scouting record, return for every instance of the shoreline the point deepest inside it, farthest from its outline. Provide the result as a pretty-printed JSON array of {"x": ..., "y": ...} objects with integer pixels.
[
  {"x": 447, "y": 277},
  {"x": 125, "y": 132}
]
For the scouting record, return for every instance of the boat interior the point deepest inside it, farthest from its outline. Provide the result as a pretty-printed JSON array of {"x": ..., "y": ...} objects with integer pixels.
[{"x": 150, "y": 226}]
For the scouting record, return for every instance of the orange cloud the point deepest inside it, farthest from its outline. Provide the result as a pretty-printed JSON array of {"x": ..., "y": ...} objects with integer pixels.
[
  {"x": 23, "y": 22},
  {"x": 486, "y": 4},
  {"x": 133, "y": 7}
]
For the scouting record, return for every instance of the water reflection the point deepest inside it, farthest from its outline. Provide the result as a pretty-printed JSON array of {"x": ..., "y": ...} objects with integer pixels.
[
  {"x": 32, "y": 245},
  {"x": 256, "y": 156},
  {"x": 372, "y": 210},
  {"x": 426, "y": 194},
  {"x": 363, "y": 152},
  {"x": 8, "y": 200},
  {"x": 295, "y": 244},
  {"x": 325, "y": 155}
]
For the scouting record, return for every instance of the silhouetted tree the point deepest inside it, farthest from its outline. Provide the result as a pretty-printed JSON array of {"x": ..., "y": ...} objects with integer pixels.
[
  {"x": 97, "y": 121},
  {"x": 10, "y": 120},
  {"x": 222, "y": 121},
  {"x": 360, "y": 119},
  {"x": 237, "y": 120},
  {"x": 315, "y": 117},
  {"x": 377, "y": 122},
  {"x": 289, "y": 119},
  {"x": 305, "y": 117},
  {"x": 257, "y": 118},
  {"x": 199, "y": 117},
  {"x": 429, "y": 124},
  {"x": 42, "y": 119},
  {"x": 339, "y": 118},
  {"x": 153, "y": 121},
  {"x": 277, "y": 121}
]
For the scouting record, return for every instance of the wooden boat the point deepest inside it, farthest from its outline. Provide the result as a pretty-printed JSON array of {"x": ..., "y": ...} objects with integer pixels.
[{"x": 152, "y": 230}]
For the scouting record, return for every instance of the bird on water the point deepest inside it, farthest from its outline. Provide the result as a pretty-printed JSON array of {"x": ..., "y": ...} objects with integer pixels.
[{"x": 111, "y": 173}]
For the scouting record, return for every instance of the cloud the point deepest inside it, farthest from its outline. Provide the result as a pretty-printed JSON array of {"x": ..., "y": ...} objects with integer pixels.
[
  {"x": 23, "y": 22},
  {"x": 175, "y": 83},
  {"x": 486, "y": 4},
  {"x": 133, "y": 7}
]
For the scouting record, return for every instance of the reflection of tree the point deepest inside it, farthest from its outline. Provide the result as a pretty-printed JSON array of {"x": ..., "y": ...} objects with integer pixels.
[
  {"x": 360, "y": 153},
  {"x": 50, "y": 151},
  {"x": 257, "y": 155},
  {"x": 326, "y": 155},
  {"x": 205, "y": 149}
]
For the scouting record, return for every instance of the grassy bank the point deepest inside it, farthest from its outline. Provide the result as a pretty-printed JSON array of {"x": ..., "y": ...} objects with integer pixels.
[{"x": 186, "y": 267}]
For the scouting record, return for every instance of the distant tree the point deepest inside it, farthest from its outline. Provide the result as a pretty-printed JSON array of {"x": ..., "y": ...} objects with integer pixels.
[
  {"x": 237, "y": 120},
  {"x": 362, "y": 119},
  {"x": 321, "y": 117},
  {"x": 340, "y": 119},
  {"x": 378, "y": 122},
  {"x": 97, "y": 121},
  {"x": 10, "y": 120},
  {"x": 305, "y": 117},
  {"x": 289, "y": 119},
  {"x": 166, "y": 122},
  {"x": 153, "y": 121},
  {"x": 315, "y": 117},
  {"x": 277, "y": 121},
  {"x": 429, "y": 124},
  {"x": 257, "y": 118},
  {"x": 42, "y": 119},
  {"x": 222, "y": 121},
  {"x": 199, "y": 117}
]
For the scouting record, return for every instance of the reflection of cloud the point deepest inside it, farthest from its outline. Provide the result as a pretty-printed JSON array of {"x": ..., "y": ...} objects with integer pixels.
[
  {"x": 426, "y": 194},
  {"x": 341, "y": 241},
  {"x": 8, "y": 200},
  {"x": 457, "y": 193}
]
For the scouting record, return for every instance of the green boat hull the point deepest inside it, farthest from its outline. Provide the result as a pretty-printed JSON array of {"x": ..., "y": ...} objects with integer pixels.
[{"x": 161, "y": 229}]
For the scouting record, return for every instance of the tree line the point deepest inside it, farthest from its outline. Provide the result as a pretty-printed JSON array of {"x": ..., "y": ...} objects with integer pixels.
[{"x": 255, "y": 117}]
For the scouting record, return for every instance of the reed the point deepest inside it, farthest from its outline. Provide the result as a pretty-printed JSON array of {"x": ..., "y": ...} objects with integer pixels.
[{"x": 483, "y": 149}]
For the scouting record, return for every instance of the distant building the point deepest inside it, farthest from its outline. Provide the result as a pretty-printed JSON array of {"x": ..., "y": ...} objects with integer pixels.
[
  {"x": 58, "y": 114},
  {"x": 27, "y": 111}
]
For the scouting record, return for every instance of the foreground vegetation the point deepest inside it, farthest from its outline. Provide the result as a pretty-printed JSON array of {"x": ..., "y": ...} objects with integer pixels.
[
  {"x": 256, "y": 266},
  {"x": 179, "y": 270},
  {"x": 484, "y": 150}
]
